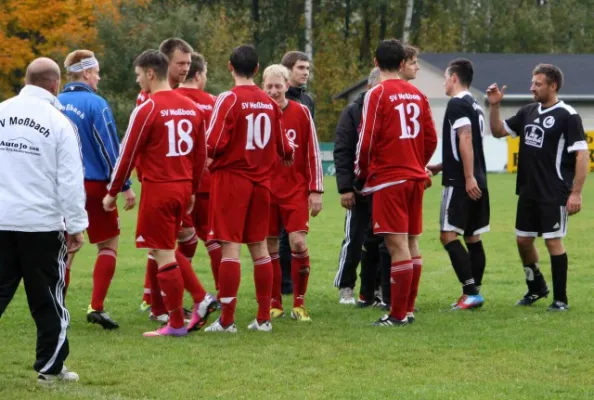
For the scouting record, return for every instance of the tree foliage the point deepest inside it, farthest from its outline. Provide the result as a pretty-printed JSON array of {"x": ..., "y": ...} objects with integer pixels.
[
  {"x": 345, "y": 33},
  {"x": 213, "y": 31},
  {"x": 34, "y": 28}
]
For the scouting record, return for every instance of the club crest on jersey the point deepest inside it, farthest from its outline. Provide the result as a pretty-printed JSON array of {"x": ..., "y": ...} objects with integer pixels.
[
  {"x": 549, "y": 121},
  {"x": 292, "y": 134},
  {"x": 534, "y": 136}
]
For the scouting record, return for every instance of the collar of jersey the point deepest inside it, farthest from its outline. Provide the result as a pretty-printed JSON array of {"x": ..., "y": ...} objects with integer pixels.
[
  {"x": 541, "y": 111},
  {"x": 462, "y": 94},
  {"x": 297, "y": 89},
  {"x": 77, "y": 87},
  {"x": 41, "y": 93}
]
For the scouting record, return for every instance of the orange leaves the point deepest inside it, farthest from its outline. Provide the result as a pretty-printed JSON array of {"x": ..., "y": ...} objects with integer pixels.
[{"x": 34, "y": 28}]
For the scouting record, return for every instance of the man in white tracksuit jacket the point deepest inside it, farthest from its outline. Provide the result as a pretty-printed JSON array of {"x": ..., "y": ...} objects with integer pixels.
[{"x": 41, "y": 196}]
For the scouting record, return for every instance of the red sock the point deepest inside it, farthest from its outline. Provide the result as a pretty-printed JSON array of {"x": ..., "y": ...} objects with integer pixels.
[
  {"x": 229, "y": 278},
  {"x": 216, "y": 254},
  {"x": 102, "y": 275},
  {"x": 263, "y": 280},
  {"x": 146, "y": 295},
  {"x": 157, "y": 306},
  {"x": 277, "y": 280},
  {"x": 191, "y": 282},
  {"x": 171, "y": 282},
  {"x": 188, "y": 246},
  {"x": 414, "y": 287},
  {"x": 300, "y": 274},
  {"x": 401, "y": 275}
]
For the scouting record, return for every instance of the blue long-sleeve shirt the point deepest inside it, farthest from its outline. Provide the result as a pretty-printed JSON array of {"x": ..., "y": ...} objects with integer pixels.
[{"x": 97, "y": 129}]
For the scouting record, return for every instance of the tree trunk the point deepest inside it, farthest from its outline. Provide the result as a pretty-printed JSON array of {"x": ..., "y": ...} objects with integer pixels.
[
  {"x": 364, "y": 50},
  {"x": 410, "y": 4},
  {"x": 256, "y": 19},
  {"x": 383, "y": 11},
  {"x": 309, "y": 32},
  {"x": 347, "y": 19}
]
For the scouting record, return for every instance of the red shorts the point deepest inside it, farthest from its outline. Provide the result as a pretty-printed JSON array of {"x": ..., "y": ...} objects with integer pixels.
[
  {"x": 200, "y": 215},
  {"x": 198, "y": 218},
  {"x": 160, "y": 214},
  {"x": 292, "y": 214},
  {"x": 103, "y": 225},
  {"x": 398, "y": 209},
  {"x": 238, "y": 209},
  {"x": 188, "y": 220}
]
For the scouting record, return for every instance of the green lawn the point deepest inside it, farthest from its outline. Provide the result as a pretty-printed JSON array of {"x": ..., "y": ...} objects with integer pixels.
[{"x": 499, "y": 352}]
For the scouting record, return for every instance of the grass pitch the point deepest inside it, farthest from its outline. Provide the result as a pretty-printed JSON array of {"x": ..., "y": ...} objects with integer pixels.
[{"x": 499, "y": 352}]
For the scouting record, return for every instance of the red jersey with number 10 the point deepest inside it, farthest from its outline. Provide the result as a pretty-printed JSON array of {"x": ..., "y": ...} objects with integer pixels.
[
  {"x": 205, "y": 102},
  {"x": 165, "y": 139},
  {"x": 305, "y": 175},
  {"x": 397, "y": 137},
  {"x": 245, "y": 134}
]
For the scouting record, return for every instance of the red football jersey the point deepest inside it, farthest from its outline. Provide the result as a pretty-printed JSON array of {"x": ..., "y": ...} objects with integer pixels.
[
  {"x": 397, "y": 137},
  {"x": 245, "y": 134},
  {"x": 142, "y": 97},
  {"x": 205, "y": 102},
  {"x": 166, "y": 139},
  {"x": 306, "y": 172}
]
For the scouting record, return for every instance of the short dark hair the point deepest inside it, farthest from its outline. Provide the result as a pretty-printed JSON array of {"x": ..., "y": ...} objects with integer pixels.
[
  {"x": 410, "y": 52},
  {"x": 168, "y": 46},
  {"x": 197, "y": 66},
  {"x": 389, "y": 54},
  {"x": 552, "y": 73},
  {"x": 290, "y": 59},
  {"x": 155, "y": 60},
  {"x": 244, "y": 60},
  {"x": 463, "y": 69}
]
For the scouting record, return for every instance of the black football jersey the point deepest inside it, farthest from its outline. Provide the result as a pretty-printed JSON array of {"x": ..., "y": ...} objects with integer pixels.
[
  {"x": 462, "y": 110},
  {"x": 549, "y": 138}
]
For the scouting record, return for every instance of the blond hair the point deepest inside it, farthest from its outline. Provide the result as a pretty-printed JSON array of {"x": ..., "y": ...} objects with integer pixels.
[
  {"x": 277, "y": 70},
  {"x": 75, "y": 57}
]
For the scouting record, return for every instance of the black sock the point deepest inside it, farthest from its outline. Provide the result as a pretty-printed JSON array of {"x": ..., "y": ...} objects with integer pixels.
[
  {"x": 369, "y": 262},
  {"x": 461, "y": 263},
  {"x": 477, "y": 261},
  {"x": 534, "y": 278},
  {"x": 385, "y": 265},
  {"x": 559, "y": 272}
]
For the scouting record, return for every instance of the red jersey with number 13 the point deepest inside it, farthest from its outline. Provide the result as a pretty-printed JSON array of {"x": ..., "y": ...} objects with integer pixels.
[
  {"x": 205, "y": 102},
  {"x": 165, "y": 138},
  {"x": 397, "y": 137},
  {"x": 245, "y": 134}
]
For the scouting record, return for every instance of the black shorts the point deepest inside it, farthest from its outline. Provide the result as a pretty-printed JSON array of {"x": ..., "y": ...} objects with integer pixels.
[
  {"x": 540, "y": 219},
  {"x": 461, "y": 214}
]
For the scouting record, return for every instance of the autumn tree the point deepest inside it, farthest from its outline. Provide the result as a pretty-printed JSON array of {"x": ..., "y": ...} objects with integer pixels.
[
  {"x": 345, "y": 33},
  {"x": 211, "y": 30},
  {"x": 35, "y": 28}
]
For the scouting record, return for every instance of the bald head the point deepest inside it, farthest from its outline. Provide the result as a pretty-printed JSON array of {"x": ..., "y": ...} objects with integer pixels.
[{"x": 45, "y": 73}]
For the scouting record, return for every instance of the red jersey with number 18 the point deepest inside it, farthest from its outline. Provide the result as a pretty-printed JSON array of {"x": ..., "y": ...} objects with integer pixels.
[
  {"x": 397, "y": 137},
  {"x": 245, "y": 134},
  {"x": 165, "y": 139}
]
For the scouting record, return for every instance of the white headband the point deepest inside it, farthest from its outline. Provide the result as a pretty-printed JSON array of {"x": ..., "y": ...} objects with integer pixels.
[{"x": 85, "y": 63}]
